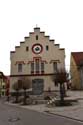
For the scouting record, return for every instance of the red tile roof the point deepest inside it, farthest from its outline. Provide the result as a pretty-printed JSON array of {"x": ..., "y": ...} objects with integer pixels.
[{"x": 78, "y": 57}]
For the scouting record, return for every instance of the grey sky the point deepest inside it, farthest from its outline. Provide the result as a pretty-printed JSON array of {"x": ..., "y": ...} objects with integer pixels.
[{"x": 62, "y": 20}]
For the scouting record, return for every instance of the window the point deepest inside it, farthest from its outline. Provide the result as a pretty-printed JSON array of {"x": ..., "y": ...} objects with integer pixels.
[
  {"x": 47, "y": 47},
  {"x": 37, "y": 66},
  {"x": 3, "y": 93},
  {"x": 32, "y": 67},
  {"x": 55, "y": 66},
  {"x": 27, "y": 48},
  {"x": 42, "y": 67},
  {"x": 3, "y": 86},
  {"x": 36, "y": 37},
  {"x": 19, "y": 67}
]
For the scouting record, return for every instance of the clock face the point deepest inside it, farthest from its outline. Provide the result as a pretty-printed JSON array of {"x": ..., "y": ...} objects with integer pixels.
[{"x": 37, "y": 48}]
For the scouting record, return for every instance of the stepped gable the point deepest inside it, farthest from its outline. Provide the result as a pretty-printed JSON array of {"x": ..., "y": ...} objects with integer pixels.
[{"x": 32, "y": 33}]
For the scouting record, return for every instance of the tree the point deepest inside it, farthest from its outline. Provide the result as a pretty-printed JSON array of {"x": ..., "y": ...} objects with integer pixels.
[
  {"x": 17, "y": 86},
  {"x": 60, "y": 77},
  {"x": 26, "y": 84}
]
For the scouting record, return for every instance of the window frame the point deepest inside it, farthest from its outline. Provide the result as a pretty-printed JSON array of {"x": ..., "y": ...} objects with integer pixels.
[
  {"x": 27, "y": 48},
  {"x": 47, "y": 47},
  {"x": 42, "y": 67},
  {"x": 20, "y": 67},
  {"x": 37, "y": 66},
  {"x": 55, "y": 68},
  {"x": 32, "y": 67},
  {"x": 36, "y": 37}
]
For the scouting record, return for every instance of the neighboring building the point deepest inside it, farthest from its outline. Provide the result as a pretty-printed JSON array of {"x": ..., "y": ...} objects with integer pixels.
[
  {"x": 7, "y": 85},
  {"x": 3, "y": 84},
  {"x": 76, "y": 70},
  {"x": 37, "y": 58}
]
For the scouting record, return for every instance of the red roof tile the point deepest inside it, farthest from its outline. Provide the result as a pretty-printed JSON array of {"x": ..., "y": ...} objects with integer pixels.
[{"x": 78, "y": 57}]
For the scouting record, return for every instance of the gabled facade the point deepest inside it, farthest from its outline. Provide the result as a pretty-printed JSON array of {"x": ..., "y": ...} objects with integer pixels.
[
  {"x": 76, "y": 70},
  {"x": 37, "y": 58}
]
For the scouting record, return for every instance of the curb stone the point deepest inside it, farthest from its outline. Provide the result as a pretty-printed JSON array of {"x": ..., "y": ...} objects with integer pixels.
[{"x": 64, "y": 116}]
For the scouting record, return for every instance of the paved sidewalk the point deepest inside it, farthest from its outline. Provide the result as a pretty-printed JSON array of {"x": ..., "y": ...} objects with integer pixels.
[{"x": 73, "y": 112}]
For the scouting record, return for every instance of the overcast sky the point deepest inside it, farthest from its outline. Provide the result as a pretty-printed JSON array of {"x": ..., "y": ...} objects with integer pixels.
[{"x": 62, "y": 20}]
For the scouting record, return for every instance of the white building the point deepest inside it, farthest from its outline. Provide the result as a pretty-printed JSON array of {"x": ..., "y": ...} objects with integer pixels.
[{"x": 37, "y": 58}]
